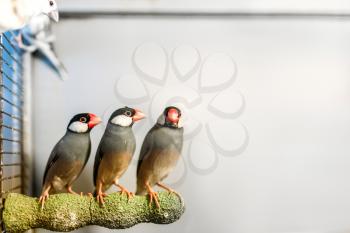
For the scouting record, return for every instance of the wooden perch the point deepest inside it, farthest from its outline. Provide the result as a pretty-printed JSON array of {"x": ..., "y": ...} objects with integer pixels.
[{"x": 67, "y": 212}]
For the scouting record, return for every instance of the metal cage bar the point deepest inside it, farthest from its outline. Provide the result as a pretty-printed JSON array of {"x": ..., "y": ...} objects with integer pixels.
[{"x": 11, "y": 118}]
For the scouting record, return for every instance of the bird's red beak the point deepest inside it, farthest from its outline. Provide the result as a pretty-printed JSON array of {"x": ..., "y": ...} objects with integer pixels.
[
  {"x": 173, "y": 116},
  {"x": 94, "y": 120},
  {"x": 138, "y": 115}
]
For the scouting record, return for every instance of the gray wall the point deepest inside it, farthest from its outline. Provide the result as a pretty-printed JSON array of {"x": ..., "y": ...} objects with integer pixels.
[
  {"x": 270, "y": 154},
  {"x": 209, "y": 5}
]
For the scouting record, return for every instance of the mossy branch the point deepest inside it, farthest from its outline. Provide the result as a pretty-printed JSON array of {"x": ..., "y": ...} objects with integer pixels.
[{"x": 67, "y": 212}]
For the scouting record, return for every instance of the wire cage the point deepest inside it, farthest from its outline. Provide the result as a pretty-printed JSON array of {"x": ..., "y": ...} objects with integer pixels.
[{"x": 11, "y": 120}]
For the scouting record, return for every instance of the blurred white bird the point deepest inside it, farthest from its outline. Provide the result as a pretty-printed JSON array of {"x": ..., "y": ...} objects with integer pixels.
[
  {"x": 14, "y": 14},
  {"x": 38, "y": 39}
]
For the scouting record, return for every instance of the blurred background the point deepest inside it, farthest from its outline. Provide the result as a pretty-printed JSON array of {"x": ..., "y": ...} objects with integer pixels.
[{"x": 264, "y": 86}]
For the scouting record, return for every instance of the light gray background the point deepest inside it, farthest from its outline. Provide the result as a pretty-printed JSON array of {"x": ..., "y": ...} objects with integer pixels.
[
  {"x": 295, "y": 77},
  {"x": 209, "y": 5}
]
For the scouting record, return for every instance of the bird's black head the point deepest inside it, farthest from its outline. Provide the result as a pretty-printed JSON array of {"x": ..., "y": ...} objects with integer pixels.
[
  {"x": 83, "y": 122},
  {"x": 171, "y": 117},
  {"x": 126, "y": 116}
]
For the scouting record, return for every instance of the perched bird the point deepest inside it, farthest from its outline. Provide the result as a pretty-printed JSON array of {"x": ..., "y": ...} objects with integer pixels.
[
  {"x": 115, "y": 151},
  {"x": 160, "y": 151},
  {"x": 68, "y": 158},
  {"x": 14, "y": 14},
  {"x": 37, "y": 38}
]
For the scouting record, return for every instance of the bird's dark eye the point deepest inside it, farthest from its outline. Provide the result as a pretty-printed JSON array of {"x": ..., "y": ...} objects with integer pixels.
[
  {"x": 128, "y": 113},
  {"x": 83, "y": 119},
  {"x": 51, "y": 3}
]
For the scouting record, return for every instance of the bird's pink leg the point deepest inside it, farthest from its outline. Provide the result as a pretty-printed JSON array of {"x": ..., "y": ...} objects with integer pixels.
[
  {"x": 170, "y": 190},
  {"x": 44, "y": 196},
  {"x": 124, "y": 190},
  {"x": 152, "y": 196},
  {"x": 100, "y": 195},
  {"x": 70, "y": 190}
]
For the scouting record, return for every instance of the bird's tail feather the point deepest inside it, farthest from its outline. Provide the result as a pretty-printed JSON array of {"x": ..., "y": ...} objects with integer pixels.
[{"x": 62, "y": 71}]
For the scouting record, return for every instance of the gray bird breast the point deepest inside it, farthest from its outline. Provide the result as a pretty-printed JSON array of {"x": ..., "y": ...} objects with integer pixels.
[
  {"x": 115, "y": 152},
  {"x": 72, "y": 153},
  {"x": 166, "y": 138},
  {"x": 77, "y": 146},
  {"x": 118, "y": 139}
]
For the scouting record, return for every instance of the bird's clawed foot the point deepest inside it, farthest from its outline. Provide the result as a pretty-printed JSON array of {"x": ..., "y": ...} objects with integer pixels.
[
  {"x": 129, "y": 194},
  {"x": 87, "y": 194},
  {"x": 123, "y": 190},
  {"x": 170, "y": 190},
  {"x": 44, "y": 196},
  {"x": 70, "y": 190},
  {"x": 99, "y": 198},
  {"x": 153, "y": 196},
  {"x": 82, "y": 194}
]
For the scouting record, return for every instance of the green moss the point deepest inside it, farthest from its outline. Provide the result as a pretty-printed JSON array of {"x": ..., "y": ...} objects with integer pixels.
[
  {"x": 67, "y": 212},
  {"x": 64, "y": 212},
  {"x": 167, "y": 213},
  {"x": 20, "y": 212}
]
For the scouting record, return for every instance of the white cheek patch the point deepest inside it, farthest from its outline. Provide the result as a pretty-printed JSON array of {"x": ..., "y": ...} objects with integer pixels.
[
  {"x": 122, "y": 120},
  {"x": 161, "y": 121},
  {"x": 180, "y": 124},
  {"x": 78, "y": 127}
]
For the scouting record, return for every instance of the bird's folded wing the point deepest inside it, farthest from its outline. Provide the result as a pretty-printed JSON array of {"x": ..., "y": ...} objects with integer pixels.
[
  {"x": 52, "y": 159},
  {"x": 98, "y": 158},
  {"x": 146, "y": 147}
]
